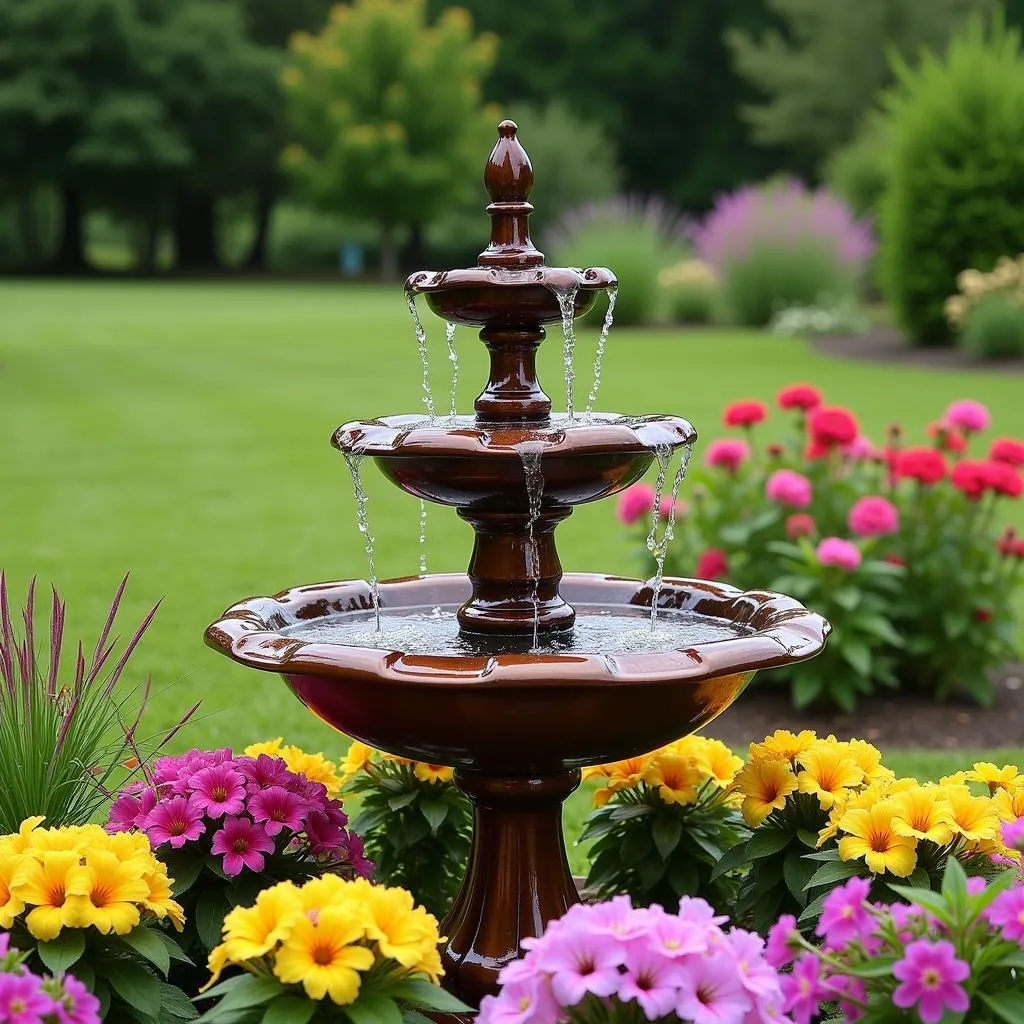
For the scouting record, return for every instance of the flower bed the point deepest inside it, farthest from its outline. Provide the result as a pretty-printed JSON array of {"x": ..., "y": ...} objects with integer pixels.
[{"x": 898, "y": 544}]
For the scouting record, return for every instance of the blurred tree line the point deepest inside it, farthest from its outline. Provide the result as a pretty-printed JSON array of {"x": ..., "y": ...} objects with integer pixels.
[{"x": 170, "y": 117}]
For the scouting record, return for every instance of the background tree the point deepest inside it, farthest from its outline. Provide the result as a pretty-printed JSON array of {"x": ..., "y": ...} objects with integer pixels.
[{"x": 387, "y": 114}]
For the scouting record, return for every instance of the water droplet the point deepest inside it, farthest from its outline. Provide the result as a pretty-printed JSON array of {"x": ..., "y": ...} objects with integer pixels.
[
  {"x": 453, "y": 358},
  {"x": 353, "y": 462},
  {"x": 421, "y": 344},
  {"x": 423, "y": 537},
  {"x": 602, "y": 341}
]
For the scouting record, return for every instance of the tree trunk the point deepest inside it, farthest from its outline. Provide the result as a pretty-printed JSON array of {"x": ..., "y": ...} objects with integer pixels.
[
  {"x": 388, "y": 253},
  {"x": 71, "y": 251},
  {"x": 195, "y": 232},
  {"x": 257, "y": 258},
  {"x": 28, "y": 230}
]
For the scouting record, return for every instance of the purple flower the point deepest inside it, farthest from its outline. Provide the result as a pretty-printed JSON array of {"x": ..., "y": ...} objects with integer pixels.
[
  {"x": 22, "y": 999},
  {"x": 176, "y": 821},
  {"x": 325, "y": 837},
  {"x": 74, "y": 1003},
  {"x": 243, "y": 844},
  {"x": 651, "y": 979},
  {"x": 263, "y": 771},
  {"x": 778, "y": 951},
  {"x": 850, "y": 994},
  {"x": 582, "y": 962},
  {"x": 278, "y": 809},
  {"x": 710, "y": 990},
  {"x": 1013, "y": 834},
  {"x": 1007, "y": 913},
  {"x": 219, "y": 789},
  {"x": 128, "y": 811},
  {"x": 930, "y": 974},
  {"x": 845, "y": 915},
  {"x": 802, "y": 991}
]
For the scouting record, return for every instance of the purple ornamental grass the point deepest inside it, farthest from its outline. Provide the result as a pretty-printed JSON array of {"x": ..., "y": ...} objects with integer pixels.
[{"x": 782, "y": 216}]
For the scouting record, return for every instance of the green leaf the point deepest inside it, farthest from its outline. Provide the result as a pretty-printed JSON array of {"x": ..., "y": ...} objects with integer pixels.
[
  {"x": 435, "y": 811},
  {"x": 881, "y": 628},
  {"x": 60, "y": 953},
  {"x": 289, "y": 1010},
  {"x": 1007, "y": 1006},
  {"x": 1010, "y": 960},
  {"x": 137, "y": 986},
  {"x": 183, "y": 870},
  {"x": 373, "y": 1009},
  {"x": 857, "y": 656},
  {"x": 828, "y": 874},
  {"x": 421, "y": 992},
  {"x": 813, "y": 909},
  {"x": 147, "y": 943},
  {"x": 684, "y": 877},
  {"x": 209, "y": 917},
  {"x": 808, "y": 838},
  {"x": 400, "y": 800},
  {"x": 102, "y": 992},
  {"x": 174, "y": 951},
  {"x": 635, "y": 847},
  {"x": 933, "y": 902},
  {"x": 806, "y": 686},
  {"x": 735, "y": 857},
  {"x": 249, "y": 990},
  {"x": 798, "y": 871},
  {"x": 174, "y": 1002},
  {"x": 666, "y": 832},
  {"x": 920, "y": 878},
  {"x": 651, "y": 870},
  {"x": 954, "y": 883},
  {"x": 847, "y": 597},
  {"x": 766, "y": 841}
]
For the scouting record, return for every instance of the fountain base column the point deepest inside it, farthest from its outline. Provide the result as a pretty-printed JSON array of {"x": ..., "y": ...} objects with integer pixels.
[{"x": 517, "y": 880}]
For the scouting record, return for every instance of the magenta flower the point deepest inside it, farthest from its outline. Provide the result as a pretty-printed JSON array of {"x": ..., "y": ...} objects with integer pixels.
[
  {"x": 969, "y": 416},
  {"x": 756, "y": 976},
  {"x": 873, "y": 516},
  {"x": 859, "y": 449},
  {"x": 777, "y": 951},
  {"x": 618, "y": 917},
  {"x": 581, "y": 962},
  {"x": 851, "y": 994},
  {"x": 710, "y": 991},
  {"x": 845, "y": 916},
  {"x": 243, "y": 844},
  {"x": 75, "y": 1004},
  {"x": 1013, "y": 834},
  {"x": 263, "y": 772},
  {"x": 128, "y": 811},
  {"x": 728, "y": 452},
  {"x": 674, "y": 936},
  {"x": 693, "y": 908},
  {"x": 930, "y": 974},
  {"x": 176, "y": 821},
  {"x": 324, "y": 835},
  {"x": 651, "y": 979},
  {"x": 787, "y": 487},
  {"x": 1007, "y": 913},
  {"x": 22, "y": 999},
  {"x": 219, "y": 789},
  {"x": 278, "y": 809},
  {"x": 842, "y": 553},
  {"x": 802, "y": 990},
  {"x": 635, "y": 502},
  {"x": 520, "y": 1001}
]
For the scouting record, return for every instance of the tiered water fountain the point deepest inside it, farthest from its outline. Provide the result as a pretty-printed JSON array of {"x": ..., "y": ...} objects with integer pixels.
[{"x": 515, "y": 673}]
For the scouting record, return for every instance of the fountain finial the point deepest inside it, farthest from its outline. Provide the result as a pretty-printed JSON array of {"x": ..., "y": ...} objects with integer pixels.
[{"x": 508, "y": 178}]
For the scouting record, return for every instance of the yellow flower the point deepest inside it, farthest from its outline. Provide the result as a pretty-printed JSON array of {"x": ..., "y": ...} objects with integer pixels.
[
  {"x": 43, "y": 881},
  {"x": 10, "y": 905},
  {"x": 324, "y": 956},
  {"x": 956, "y": 779},
  {"x": 1009, "y": 803},
  {"x": 315, "y": 767},
  {"x": 972, "y": 817},
  {"x": 627, "y": 774},
  {"x": 403, "y": 932},
  {"x": 18, "y": 842},
  {"x": 920, "y": 813},
  {"x": 765, "y": 786},
  {"x": 717, "y": 761},
  {"x": 783, "y": 744},
  {"x": 160, "y": 900},
  {"x": 106, "y": 893},
  {"x": 433, "y": 772},
  {"x": 430, "y": 965},
  {"x": 271, "y": 747},
  {"x": 828, "y": 772},
  {"x": 870, "y": 834},
  {"x": 357, "y": 758},
  {"x": 253, "y": 931},
  {"x": 326, "y": 889},
  {"x": 995, "y": 778},
  {"x": 869, "y": 760},
  {"x": 676, "y": 778}
]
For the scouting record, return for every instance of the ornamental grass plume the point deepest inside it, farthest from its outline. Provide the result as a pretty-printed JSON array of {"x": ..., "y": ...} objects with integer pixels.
[{"x": 66, "y": 730}]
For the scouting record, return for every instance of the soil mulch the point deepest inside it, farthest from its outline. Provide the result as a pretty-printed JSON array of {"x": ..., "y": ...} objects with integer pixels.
[
  {"x": 896, "y": 721},
  {"x": 886, "y": 344}
]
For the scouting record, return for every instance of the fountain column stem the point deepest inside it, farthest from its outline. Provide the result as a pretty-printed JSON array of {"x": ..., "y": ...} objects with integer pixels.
[
  {"x": 512, "y": 392},
  {"x": 517, "y": 880}
]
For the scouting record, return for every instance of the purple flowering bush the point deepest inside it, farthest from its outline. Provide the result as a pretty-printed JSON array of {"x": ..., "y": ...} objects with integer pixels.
[
  {"x": 954, "y": 956},
  {"x": 228, "y": 826},
  {"x": 779, "y": 245},
  {"x": 29, "y": 998},
  {"x": 611, "y": 961}
]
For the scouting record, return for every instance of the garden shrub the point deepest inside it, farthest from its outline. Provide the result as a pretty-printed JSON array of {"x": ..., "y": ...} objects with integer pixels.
[
  {"x": 636, "y": 239},
  {"x": 956, "y": 175},
  {"x": 858, "y": 172},
  {"x": 896, "y": 544},
  {"x": 689, "y": 291},
  {"x": 781, "y": 245},
  {"x": 988, "y": 311}
]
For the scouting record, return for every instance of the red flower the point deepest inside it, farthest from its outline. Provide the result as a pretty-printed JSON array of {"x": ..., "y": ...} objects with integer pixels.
[
  {"x": 983, "y": 614},
  {"x": 1004, "y": 479},
  {"x": 1017, "y": 549},
  {"x": 947, "y": 438},
  {"x": 775, "y": 451},
  {"x": 971, "y": 477},
  {"x": 800, "y": 525},
  {"x": 712, "y": 564},
  {"x": 1007, "y": 541},
  {"x": 744, "y": 414},
  {"x": 924, "y": 464},
  {"x": 1007, "y": 450},
  {"x": 893, "y": 559},
  {"x": 799, "y": 396},
  {"x": 832, "y": 426}
]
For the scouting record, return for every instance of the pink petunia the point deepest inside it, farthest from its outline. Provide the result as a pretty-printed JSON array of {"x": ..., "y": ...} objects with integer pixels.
[
  {"x": 651, "y": 979},
  {"x": 778, "y": 950},
  {"x": 1007, "y": 913},
  {"x": 851, "y": 994},
  {"x": 1013, "y": 834},
  {"x": 277, "y": 809},
  {"x": 128, "y": 811},
  {"x": 674, "y": 936},
  {"x": 788, "y": 487},
  {"x": 242, "y": 844},
  {"x": 219, "y": 789},
  {"x": 845, "y": 916},
  {"x": 620, "y": 918},
  {"x": 969, "y": 416},
  {"x": 756, "y": 976},
  {"x": 582, "y": 962},
  {"x": 710, "y": 991},
  {"x": 176, "y": 821},
  {"x": 930, "y": 976},
  {"x": 802, "y": 990}
]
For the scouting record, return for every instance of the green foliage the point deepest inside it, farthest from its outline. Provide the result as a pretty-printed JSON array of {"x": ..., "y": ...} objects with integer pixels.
[
  {"x": 690, "y": 292},
  {"x": 304, "y": 239},
  {"x": 858, "y": 171},
  {"x": 956, "y": 187},
  {"x": 994, "y": 329},
  {"x": 821, "y": 69},
  {"x": 386, "y": 113}
]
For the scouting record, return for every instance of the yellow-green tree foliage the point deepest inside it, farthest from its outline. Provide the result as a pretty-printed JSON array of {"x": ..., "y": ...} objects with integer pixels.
[{"x": 387, "y": 114}]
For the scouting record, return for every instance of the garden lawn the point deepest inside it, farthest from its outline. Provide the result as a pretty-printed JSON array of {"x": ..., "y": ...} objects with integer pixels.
[{"x": 181, "y": 431}]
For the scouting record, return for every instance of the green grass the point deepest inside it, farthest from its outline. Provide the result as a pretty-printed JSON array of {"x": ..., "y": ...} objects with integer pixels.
[{"x": 181, "y": 431}]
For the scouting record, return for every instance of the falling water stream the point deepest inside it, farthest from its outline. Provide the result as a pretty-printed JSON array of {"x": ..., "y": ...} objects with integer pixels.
[
  {"x": 602, "y": 341},
  {"x": 423, "y": 537},
  {"x": 453, "y": 358},
  {"x": 421, "y": 344},
  {"x": 364, "y": 528},
  {"x": 567, "y": 306},
  {"x": 534, "y": 494},
  {"x": 658, "y": 546}
]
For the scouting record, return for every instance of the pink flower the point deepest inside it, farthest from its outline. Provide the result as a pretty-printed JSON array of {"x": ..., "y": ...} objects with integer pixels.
[
  {"x": 264, "y": 771},
  {"x": 930, "y": 974},
  {"x": 728, "y": 452},
  {"x": 1007, "y": 913},
  {"x": 744, "y": 414},
  {"x": 800, "y": 524},
  {"x": 1013, "y": 834},
  {"x": 651, "y": 979},
  {"x": 219, "y": 789},
  {"x": 581, "y": 962},
  {"x": 278, "y": 808},
  {"x": 22, "y": 999},
  {"x": 673, "y": 936},
  {"x": 710, "y": 991},
  {"x": 756, "y": 976},
  {"x": 666, "y": 507},
  {"x": 851, "y": 994},
  {"x": 842, "y": 553},
  {"x": 712, "y": 564},
  {"x": 859, "y": 449},
  {"x": 176, "y": 821},
  {"x": 968, "y": 416},
  {"x": 778, "y": 952},
  {"x": 845, "y": 916},
  {"x": 526, "y": 1000},
  {"x": 873, "y": 516},
  {"x": 799, "y": 396},
  {"x": 128, "y": 811},
  {"x": 242, "y": 844},
  {"x": 802, "y": 990},
  {"x": 617, "y": 917},
  {"x": 1008, "y": 450},
  {"x": 787, "y": 487},
  {"x": 699, "y": 911},
  {"x": 832, "y": 427},
  {"x": 635, "y": 502},
  {"x": 77, "y": 1005}
]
